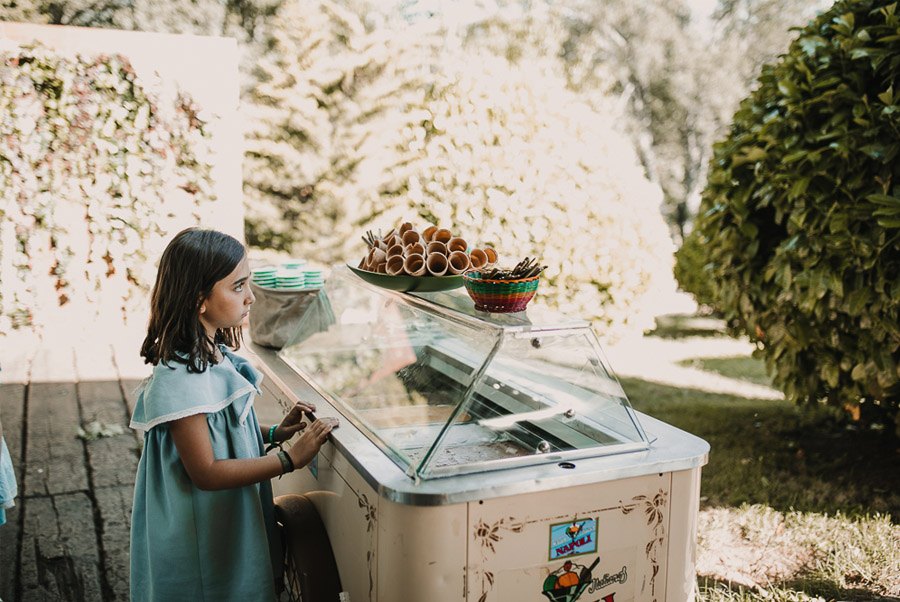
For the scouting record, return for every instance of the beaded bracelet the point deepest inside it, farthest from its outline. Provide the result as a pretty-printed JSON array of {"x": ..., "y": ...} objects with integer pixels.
[
  {"x": 287, "y": 465},
  {"x": 272, "y": 433}
]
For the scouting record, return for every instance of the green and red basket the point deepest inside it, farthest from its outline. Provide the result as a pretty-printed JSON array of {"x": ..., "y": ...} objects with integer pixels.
[{"x": 500, "y": 296}]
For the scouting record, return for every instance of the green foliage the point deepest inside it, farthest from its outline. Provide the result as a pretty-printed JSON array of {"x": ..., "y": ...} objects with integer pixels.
[
  {"x": 92, "y": 169},
  {"x": 307, "y": 115},
  {"x": 244, "y": 20},
  {"x": 692, "y": 271},
  {"x": 800, "y": 219},
  {"x": 358, "y": 130}
]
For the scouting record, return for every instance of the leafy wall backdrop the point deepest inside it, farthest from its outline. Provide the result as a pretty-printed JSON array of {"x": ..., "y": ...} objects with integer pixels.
[{"x": 94, "y": 168}]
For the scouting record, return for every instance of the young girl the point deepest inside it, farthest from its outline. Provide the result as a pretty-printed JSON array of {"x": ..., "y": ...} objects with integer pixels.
[{"x": 202, "y": 524}]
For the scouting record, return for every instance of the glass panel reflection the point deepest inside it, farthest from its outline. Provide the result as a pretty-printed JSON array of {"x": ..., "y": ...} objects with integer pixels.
[{"x": 443, "y": 389}]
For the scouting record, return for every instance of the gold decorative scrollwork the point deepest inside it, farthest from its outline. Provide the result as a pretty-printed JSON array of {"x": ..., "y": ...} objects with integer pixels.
[
  {"x": 371, "y": 520},
  {"x": 486, "y": 535},
  {"x": 653, "y": 508}
]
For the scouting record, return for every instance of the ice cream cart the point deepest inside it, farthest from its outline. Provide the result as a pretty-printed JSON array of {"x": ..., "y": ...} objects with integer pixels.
[{"x": 483, "y": 457}]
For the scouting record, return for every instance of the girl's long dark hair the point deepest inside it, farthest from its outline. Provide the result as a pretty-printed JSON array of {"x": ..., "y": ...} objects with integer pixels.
[{"x": 189, "y": 268}]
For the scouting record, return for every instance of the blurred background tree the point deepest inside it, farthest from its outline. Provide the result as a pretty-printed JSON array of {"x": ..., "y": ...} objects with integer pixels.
[
  {"x": 467, "y": 125},
  {"x": 680, "y": 73},
  {"x": 360, "y": 113},
  {"x": 679, "y": 68}
]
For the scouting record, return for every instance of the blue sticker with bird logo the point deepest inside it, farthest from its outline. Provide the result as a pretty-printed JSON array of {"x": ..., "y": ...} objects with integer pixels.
[{"x": 573, "y": 538}]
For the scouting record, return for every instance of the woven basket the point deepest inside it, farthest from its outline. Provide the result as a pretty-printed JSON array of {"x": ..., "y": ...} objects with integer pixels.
[{"x": 500, "y": 296}]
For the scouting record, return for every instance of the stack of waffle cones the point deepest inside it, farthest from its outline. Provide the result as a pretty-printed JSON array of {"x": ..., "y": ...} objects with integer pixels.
[{"x": 432, "y": 252}]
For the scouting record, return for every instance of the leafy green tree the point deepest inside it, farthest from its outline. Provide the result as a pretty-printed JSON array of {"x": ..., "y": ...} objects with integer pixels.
[{"x": 800, "y": 221}]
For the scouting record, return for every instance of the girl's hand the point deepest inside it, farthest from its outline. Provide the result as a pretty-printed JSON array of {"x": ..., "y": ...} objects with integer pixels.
[
  {"x": 293, "y": 422},
  {"x": 311, "y": 440}
]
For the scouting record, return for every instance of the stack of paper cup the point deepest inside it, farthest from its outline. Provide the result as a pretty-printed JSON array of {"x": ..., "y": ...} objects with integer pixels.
[
  {"x": 265, "y": 276},
  {"x": 290, "y": 279},
  {"x": 313, "y": 278},
  {"x": 289, "y": 275}
]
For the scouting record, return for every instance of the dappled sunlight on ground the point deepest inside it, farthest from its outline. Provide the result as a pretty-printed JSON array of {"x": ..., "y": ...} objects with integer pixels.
[
  {"x": 761, "y": 549},
  {"x": 727, "y": 552}
]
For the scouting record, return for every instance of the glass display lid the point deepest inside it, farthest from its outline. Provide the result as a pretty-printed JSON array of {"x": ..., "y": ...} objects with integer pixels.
[{"x": 443, "y": 389}]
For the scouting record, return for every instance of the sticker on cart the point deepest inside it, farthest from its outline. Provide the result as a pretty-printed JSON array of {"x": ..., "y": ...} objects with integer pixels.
[
  {"x": 568, "y": 582},
  {"x": 314, "y": 466},
  {"x": 573, "y": 538}
]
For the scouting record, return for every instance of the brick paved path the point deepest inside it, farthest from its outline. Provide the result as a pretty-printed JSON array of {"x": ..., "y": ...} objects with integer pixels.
[{"x": 67, "y": 537}]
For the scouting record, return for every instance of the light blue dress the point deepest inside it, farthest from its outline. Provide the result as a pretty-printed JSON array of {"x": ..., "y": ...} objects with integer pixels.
[{"x": 186, "y": 543}]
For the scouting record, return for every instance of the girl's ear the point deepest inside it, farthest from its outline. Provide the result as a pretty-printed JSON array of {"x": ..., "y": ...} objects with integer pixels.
[{"x": 203, "y": 308}]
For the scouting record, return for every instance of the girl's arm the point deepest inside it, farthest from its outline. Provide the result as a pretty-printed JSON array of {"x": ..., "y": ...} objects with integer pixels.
[{"x": 191, "y": 436}]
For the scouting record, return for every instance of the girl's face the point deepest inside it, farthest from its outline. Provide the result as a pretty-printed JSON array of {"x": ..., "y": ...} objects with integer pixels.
[{"x": 229, "y": 302}]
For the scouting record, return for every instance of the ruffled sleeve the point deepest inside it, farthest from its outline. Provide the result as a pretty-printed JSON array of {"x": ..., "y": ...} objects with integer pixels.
[{"x": 171, "y": 392}]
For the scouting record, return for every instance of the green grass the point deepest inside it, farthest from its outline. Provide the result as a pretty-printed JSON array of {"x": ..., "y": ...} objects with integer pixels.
[
  {"x": 771, "y": 452},
  {"x": 747, "y": 369}
]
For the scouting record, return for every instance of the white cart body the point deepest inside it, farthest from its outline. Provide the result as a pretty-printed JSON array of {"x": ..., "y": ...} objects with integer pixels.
[{"x": 613, "y": 520}]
